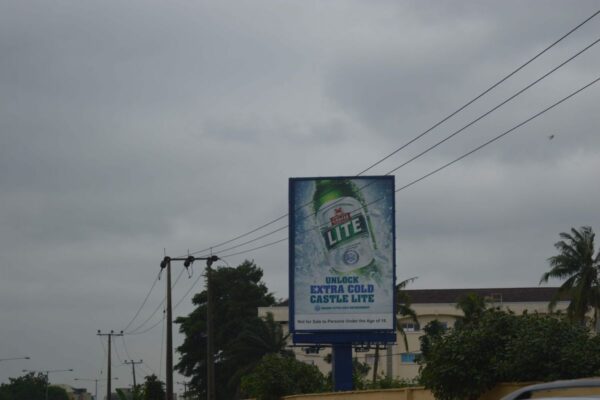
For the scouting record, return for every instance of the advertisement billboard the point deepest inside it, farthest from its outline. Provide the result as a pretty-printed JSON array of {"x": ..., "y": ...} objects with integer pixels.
[{"x": 342, "y": 254}]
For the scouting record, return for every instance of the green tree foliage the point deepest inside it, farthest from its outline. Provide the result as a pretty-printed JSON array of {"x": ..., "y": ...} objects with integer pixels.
[
  {"x": 276, "y": 376},
  {"x": 153, "y": 388},
  {"x": 465, "y": 362},
  {"x": 472, "y": 305},
  {"x": 237, "y": 292},
  {"x": 259, "y": 338},
  {"x": 31, "y": 387},
  {"x": 433, "y": 332},
  {"x": 576, "y": 263}
]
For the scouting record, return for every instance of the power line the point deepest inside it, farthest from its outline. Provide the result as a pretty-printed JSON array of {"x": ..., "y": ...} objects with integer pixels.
[
  {"x": 421, "y": 134},
  {"x": 482, "y": 116},
  {"x": 457, "y": 159},
  {"x": 117, "y": 352},
  {"x": 480, "y": 95},
  {"x": 174, "y": 307},
  {"x": 143, "y": 303},
  {"x": 257, "y": 248},
  {"x": 499, "y": 136},
  {"x": 497, "y": 106},
  {"x": 134, "y": 331},
  {"x": 242, "y": 235},
  {"x": 147, "y": 370}
]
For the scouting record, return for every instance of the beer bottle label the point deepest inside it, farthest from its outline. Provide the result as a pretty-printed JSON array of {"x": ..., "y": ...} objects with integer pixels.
[{"x": 346, "y": 235}]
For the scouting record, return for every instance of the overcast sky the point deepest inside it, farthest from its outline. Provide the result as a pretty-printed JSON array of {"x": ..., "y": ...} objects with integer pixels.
[{"x": 131, "y": 127}]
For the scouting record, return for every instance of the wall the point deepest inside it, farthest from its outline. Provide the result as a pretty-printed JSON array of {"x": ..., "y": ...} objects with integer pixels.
[{"x": 413, "y": 393}]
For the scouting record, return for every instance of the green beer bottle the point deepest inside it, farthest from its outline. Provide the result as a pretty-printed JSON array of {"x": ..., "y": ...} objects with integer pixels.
[{"x": 345, "y": 227}]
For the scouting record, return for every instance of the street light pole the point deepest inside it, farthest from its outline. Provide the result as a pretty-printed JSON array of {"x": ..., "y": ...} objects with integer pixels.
[{"x": 14, "y": 358}]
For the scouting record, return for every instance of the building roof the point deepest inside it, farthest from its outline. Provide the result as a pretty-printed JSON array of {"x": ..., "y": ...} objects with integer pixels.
[{"x": 517, "y": 295}]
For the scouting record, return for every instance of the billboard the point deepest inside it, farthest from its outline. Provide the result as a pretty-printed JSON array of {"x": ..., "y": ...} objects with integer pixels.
[{"x": 342, "y": 254}]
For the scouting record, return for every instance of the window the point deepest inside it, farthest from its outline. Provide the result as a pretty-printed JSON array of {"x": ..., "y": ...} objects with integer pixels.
[
  {"x": 410, "y": 327},
  {"x": 409, "y": 358}
]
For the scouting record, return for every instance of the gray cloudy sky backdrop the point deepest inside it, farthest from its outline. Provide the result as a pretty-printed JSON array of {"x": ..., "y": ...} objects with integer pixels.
[{"x": 129, "y": 127}]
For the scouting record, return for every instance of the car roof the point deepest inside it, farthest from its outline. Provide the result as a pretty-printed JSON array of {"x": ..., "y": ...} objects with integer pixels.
[{"x": 527, "y": 391}]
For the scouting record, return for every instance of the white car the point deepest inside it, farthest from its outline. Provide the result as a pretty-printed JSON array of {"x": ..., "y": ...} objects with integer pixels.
[{"x": 558, "y": 386}]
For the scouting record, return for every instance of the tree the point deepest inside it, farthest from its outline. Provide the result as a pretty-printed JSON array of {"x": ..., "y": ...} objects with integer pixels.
[
  {"x": 404, "y": 307},
  {"x": 433, "y": 332},
  {"x": 237, "y": 292},
  {"x": 153, "y": 388},
  {"x": 276, "y": 376},
  {"x": 465, "y": 362},
  {"x": 259, "y": 338},
  {"x": 31, "y": 387},
  {"x": 577, "y": 264},
  {"x": 472, "y": 305}
]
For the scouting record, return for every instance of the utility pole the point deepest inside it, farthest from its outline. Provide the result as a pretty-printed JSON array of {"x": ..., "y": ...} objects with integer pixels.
[
  {"x": 133, "y": 369},
  {"x": 185, "y": 391},
  {"x": 210, "y": 352},
  {"x": 108, "y": 377},
  {"x": 166, "y": 263}
]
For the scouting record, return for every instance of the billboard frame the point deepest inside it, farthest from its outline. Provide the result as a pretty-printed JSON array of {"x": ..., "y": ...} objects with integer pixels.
[{"x": 337, "y": 336}]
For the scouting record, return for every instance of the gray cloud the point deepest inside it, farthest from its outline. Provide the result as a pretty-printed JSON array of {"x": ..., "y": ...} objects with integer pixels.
[{"x": 129, "y": 128}]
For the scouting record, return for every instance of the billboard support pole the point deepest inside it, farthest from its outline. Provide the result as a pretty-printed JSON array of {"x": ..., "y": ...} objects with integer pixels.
[{"x": 342, "y": 367}]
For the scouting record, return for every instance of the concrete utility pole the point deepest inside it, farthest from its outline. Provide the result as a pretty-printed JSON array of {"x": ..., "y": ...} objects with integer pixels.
[
  {"x": 133, "y": 369},
  {"x": 166, "y": 263},
  {"x": 108, "y": 377}
]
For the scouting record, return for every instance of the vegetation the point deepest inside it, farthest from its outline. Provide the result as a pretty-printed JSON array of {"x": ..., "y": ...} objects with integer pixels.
[
  {"x": 153, "y": 388},
  {"x": 464, "y": 362},
  {"x": 576, "y": 263},
  {"x": 238, "y": 293},
  {"x": 276, "y": 376},
  {"x": 31, "y": 387}
]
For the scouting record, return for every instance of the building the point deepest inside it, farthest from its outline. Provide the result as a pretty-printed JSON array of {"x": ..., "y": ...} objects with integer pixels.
[
  {"x": 429, "y": 304},
  {"x": 75, "y": 393}
]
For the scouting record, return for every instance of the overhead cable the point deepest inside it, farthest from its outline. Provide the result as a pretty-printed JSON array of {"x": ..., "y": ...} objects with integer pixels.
[
  {"x": 457, "y": 159},
  {"x": 418, "y": 136}
]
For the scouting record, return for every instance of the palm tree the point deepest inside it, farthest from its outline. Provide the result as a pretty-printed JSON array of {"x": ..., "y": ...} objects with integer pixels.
[
  {"x": 403, "y": 303},
  {"x": 576, "y": 263},
  {"x": 404, "y": 309},
  {"x": 259, "y": 338},
  {"x": 472, "y": 305}
]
